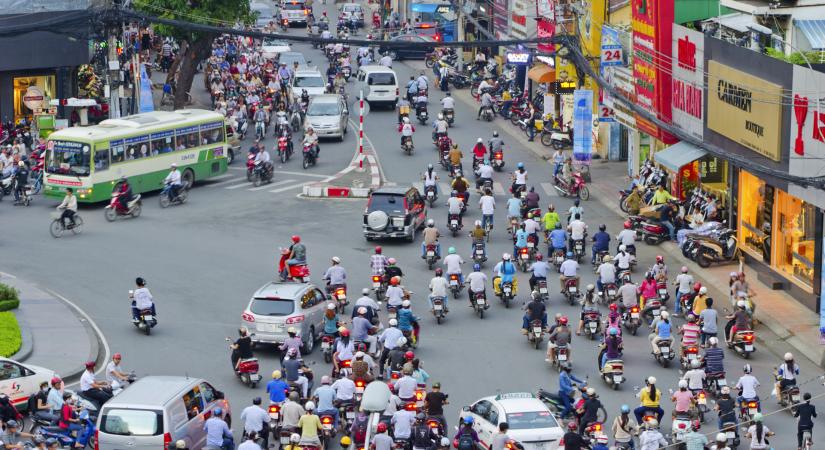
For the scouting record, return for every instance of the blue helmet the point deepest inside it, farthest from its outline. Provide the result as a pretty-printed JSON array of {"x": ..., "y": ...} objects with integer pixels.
[
  {"x": 625, "y": 409},
  {"x": 217, "y": 412},
  {"x": 486, "y": 162},
  {"x": 569, "y": 254},
  {"x": 476, "y": 267},
  {"x": 468, "y": 420},
  {"x": 520, "y": 165},
  {"x": 613, "y": 331}
]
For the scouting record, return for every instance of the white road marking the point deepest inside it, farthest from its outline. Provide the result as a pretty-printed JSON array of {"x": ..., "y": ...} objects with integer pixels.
[
  {"x": 301, "y": 174},
  {"x": 244, "y": 184},
  {"x": 498, "y": 188},
  {"x": 294, "y": 186},
  {"x": 279, "y": 183},
  {"x": 549, "y": 189},
  {"x": 230, "y": 181}
]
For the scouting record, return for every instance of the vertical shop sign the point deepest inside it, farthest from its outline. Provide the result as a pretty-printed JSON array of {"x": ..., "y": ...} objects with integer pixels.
[
  {"x": 687, "y": 85},
  {"x": 651, "y": 22},
  {"x": 582, "y": 124}
]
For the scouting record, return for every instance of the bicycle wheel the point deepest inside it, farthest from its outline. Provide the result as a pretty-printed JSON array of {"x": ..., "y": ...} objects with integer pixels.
[
  {"x": 56, "y": 229},
  {"x": 78, "y": 225}
]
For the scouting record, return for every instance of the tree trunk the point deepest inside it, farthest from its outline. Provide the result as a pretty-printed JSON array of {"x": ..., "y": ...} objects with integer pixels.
[
  {"x": 173, "y": 69},
  {"x": 197, "y": 52}
]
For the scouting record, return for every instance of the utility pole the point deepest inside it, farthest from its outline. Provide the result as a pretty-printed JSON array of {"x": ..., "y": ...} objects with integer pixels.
[{"x": 113, "y": 30}]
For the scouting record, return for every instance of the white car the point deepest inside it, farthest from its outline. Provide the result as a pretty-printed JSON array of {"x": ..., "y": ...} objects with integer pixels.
[
  {"x": 271, "y": 48},
  {"x": 310, "y": 80},
  {"x": 531, "y": 422},
  {"x": 20, "y": 381}
]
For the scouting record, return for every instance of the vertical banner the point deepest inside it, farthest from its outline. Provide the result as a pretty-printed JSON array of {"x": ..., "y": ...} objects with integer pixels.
[
  {"x": 652, "y": 22},
  {"x": 147, "y": 104},
  {"x": 688, "y": 69},
  {"x": 822, "y": 300},
  {"x": 582, "y": 124},
  {"x": 545, "y": 24}
]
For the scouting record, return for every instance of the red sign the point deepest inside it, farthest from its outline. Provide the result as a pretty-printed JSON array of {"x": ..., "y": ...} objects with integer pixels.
[
  {"x": 63, "y": 182},
  {"x": 687, "y": 54},
  {"x": 652, "y": 22},
  {"x": 519, "y": 19},
  {"x": 545, "y": 29}
]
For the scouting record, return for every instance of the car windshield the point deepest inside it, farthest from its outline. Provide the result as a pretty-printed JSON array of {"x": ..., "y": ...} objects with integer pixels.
[
  {"x": 379, "y": 202},
  {"x": 272, "y": 307},
  {"x": 294, "y": 6},
  {"x": 381, "y": 79},
  {"x": 274, "y": 43},
  {"x": 531, "y": 420},
  {"x": 131, "y": 422},
  {"x": 352, "y": 8},
  {"x": 68, "y": 158},
  {"x": 323, "y": 109},
  {"x": 310, "y": 81}
]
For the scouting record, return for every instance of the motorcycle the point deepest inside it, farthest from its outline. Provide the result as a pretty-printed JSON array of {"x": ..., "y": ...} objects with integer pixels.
[
  {"x": 700, "y": 405},
  {"x": 422, "y": 115},
  {"x": 360, "y": 385},
  {"x": 665, "y": 354},
  {"x": 339, "y": 294},
  {"x": 709, "y": 250},
  {"x": 732, "y": 434},
  {"x": 438, "y": 309},
  {"x": 487, "y": 114},
  {"x": 608, "y": 293},
  {"x": 326, "y": 348},
  {"x": 250, "y": 166},
  {"x": 480, "y": 303},
  {"x": 541, "y": 288},
  {"x": 661, "y": 289},
  {"x": 297, "y": 272},
  {"x": 167, "y": 199},
  {"x": 613, "y": 373},
  {"x": 284, "y": 148},
  {"x": 247, "y": 371},
  {"x": 430, "y": 256},
  {"x": 652, "y": 309},
  {"x": 654, "y": 233},
  {"x": 112, "y": 211},
  {"x": 562, "y": 356},
  {"x": 679, "y": 428},
  {"x": 571, "y": 291},
  {"x": 576, "y": 188},
  {"x": 310, "y": 156},
  {"x": 560, "y": 140},
  {"x": 632, "y": 320},
  {"x": 689, "y": 354},
  {"x": 558, "y": 258},
  {"x": 523, "y": 258},
  {"x": 86, "y": 435},
  {"x": 346, "y": 71},
  {"x": 449, "y": 116},
  {"x": 379, "y": 285},
  {"x": 498, "y": 161},
  {"x": 327, "y": 431},
  {"x": 743, "y": 342},
  {"x": 506, "y": 293},
  {"x": 714, "y": 382},
  {"x": 455, "y": 224},
  {"x": 262, "y": 173},
  {"x": 578, "y": 249},
  {"x": 535, "y": 334},
  {"x": 592, "y": 324},
  {"x": 431, "y": 195},
  {"x": 788, "y": 397},
  {"x": 284, "y": 25},
  {"x": 479, "y": 256},
  {"x": 407, "y": 145},
  {"x": 455, "y": 284},
  {"x": 748, "y": 408}
]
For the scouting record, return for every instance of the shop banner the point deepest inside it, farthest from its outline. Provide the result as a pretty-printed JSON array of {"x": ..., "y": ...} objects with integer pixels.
[
  {"x": 546, "y": 9},
  {"x": 501, "y": 17},
  {"x": 582, "y": 124},
  {"x": 545, "y": 29},
  {"x": 807, "y": 136},
  {"x": 621, "y": 78},
  {"x": 591, "y": 19},
  {"x": 745, "y": 109},
  {"x": 520, "y": 25},
  {"x": 651, "y": 22},
  {"x": 687, "y": 85},
  {"x": 146, "y": 102},
  {"x": 612, "y": 52},
  {"x": 565, "y": 69}
]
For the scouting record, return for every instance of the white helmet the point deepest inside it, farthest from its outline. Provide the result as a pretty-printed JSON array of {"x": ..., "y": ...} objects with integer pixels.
[
  {"x": 430, "y": 223},
  {"x": 405, "y": 303},
  {"x": 362, "y": 310},
  {"x": 406, "y": 120},
  {"x": 365, "y": 291},
  {"x": 402, "y": 341},
  {"x": 664, "y": 314},
  {"x": 721, "y": 437},
  {"x": 695, "y": 364},
  {"x": 713, "y": 341},
  {"x": 479, "y": 140},
  {"x": 336, "y": 260},
  {"x": 294, "y": 437},
  {"x": 789, "y": 356},
  {"x": 703, "y": 290},
  {"x": 651, "y": 380},
  {"x": 741, "y": 304},
  {"x": 478, "y": 223},
  {"x": 393, "y": 322},
  {"x": 505, "y": 256},
  {"x": 309, "y": 406},
  {"x": 359, "y": 355},
  {"x": 331, "y": 306},
  {"x": 652, "y": 423},
  {"x": 440, "y": 116},
  {"x": 622, "y": 248},
  {"x": 683, "y": 384}
]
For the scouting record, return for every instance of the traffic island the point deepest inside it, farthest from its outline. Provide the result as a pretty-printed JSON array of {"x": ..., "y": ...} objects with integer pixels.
[{"x": 357, "y": 180}]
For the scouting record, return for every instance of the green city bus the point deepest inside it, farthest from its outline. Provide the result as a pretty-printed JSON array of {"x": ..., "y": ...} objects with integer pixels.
[{"x": 141, "y": 147}]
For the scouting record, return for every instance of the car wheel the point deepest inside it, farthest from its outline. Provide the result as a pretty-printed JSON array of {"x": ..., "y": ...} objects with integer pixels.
[
  {"x": 309, "y": 345},
  {"x": 411, "y": 237}
]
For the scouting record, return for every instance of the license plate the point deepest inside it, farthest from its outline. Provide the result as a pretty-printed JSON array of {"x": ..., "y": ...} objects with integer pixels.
[
  {"x": 749, "y": 348},
  {"x": 537, "y": 330},
  {"x": 350, "y": 414},
  {"x": 524, "y": 256},
  {"x": 479, "y": 252},
  {"x": 543, "y": 290},
  {"x": 438, "y": 307},
  {"x": 559, "y": 260},
  {"x": 359, "y": 390},
  {"x": 752, "y": 411},
  {"x": 376, "y": 285},
  {"x": 618, "y": 378},
  {"x": 430, "y": 253},
  {"x": 655, "y": 312},
  {"x": 453, "y": 282},
  {"x": 392, "y": 315},
  {"x": 148, "y": 318},
  {"x": 342, "y": 296},
  {"x": 634, "y": 315},
  {"x": 572, "y": 289},
  {"x": 692, "y": 356},
  {"x": 430, "y": 193},
  {"x": 507, "y": 290},
  {"x": 703, "y": 401},
  {"x": 480, "y": 301},
  {"x": 611, "y": 292},
  {"x": 530, "y": 244},
  {"x": 325, "y": 345},
  {"x": 665, "y": 350},
  {"x": 663, "y": 292},
  {"x": 273, "y": 416},
  {"x": 730, "y": 434},
  {"x": 795, "y": 398},
  {"x": 454, "y": 223},
  {"x": 721, "y": 382},
  {"x": 592, "y": 326},
  {"x": 267, "y": 327},
  {"x": 578, "y": 247},
  {"x": 563, "y": 357},
  {"x": 327, "y": 426},
  {"x": 285, "y": 440}
]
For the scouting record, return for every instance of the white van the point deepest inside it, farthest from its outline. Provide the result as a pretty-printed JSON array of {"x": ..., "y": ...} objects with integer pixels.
[
  {"x": 380, "y": 85},
  {"x": 156, "y": 411}
]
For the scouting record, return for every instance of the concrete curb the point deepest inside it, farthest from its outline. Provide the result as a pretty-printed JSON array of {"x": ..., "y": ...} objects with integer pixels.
[
  {"x": 27, "y": 345},
  {"x": 329, "y": 189}
]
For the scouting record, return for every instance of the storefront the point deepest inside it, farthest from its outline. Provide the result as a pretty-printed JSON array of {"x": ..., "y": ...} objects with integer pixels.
[{"x": 31, "y": 93}]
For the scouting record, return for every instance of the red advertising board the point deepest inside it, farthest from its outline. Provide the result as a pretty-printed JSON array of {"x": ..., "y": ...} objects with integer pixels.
[
  {"x": 652, "y": 29},
  {"x": 545, "y": 29}
]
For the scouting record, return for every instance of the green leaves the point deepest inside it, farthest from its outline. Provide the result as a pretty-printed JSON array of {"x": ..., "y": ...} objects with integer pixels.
[{"x": 227, "y": 13}]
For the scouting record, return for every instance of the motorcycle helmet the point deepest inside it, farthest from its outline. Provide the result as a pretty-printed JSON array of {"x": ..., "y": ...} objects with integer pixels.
[
  {"x": 140, "y": 281},
  {"x": 713, "y": 341},
  {"x": 591, "y": 288},
  {"x": 602, "y": 227},
  {"x": 529, "y": 215},
  {"x": 664, "y": 315},
  {"x": 722, "y": 439},
  {"x": 382, "y": 427},
  {"x": 684, "y": 269},
  {"x": 520, "y": 165},
  {"x": 558, "y": 226},
  {"x": 703, "y": 290},
  {"x": 479, "y": 141},
  {"x": 697, "y": 286},
  {"x": 741, "y": 304},
  {"x": 788, "y": 357},
  {"x": 296, "y": 239},
  {"x": 391, "y": 261},
  {"x": 440, "y": 116},
  {"x": 696, "y": 425},
  {"x": 563, "y": 320},
  {"x": 276, "y": 374},
  {"x": 660, "y": 259},
  {"x": 405, "y": 304},
  {"x": 429, "y": 167},
  {"x": 569, "y": 255},
  {"x": 365, "y": 291},
  {"x": 622, "y": 248},
  {"x": 627, "y": 225},
  {"x": 613, "y": 307},
  {"x": 477, "y": 223},
  {"x": 651, "y": 380},
  {"x": 430, "y": 223},
  {"x": 406, "y": 120},
  {"x": 683, "y": 384},
  {"x": 295, "y": 437},
  {"x": 477, "y": 267},
  {"x": 576, "y": 202},
  {"x": 505, "y": 256},
  {"x": 344, "y": 332},
  {"x": 336, "y": 260},
  {"x": 653, "y": 423},
  {"x": 362, "y": 310},
  {"x": 393, "y": 322},
  {"x": 439, "y": 271},
  {"x": 309, "y": 406},
  {"x": 454, "y": 194},
  {"x": 613, "y": 331},
  {"x": 539, "y": 257},
  {"x": 571, "y": 425},
  {"x": 625, "y": 409},
  {"x": 394, "y": 281},
  {"x": 695, "y": 364},
  {"x": 747, "y": 368},
  {"x": 495, "y": 133},
  {"x": 377, "y": 249},
  {"x": 217, "y": 412},
  {"x": 451, "y": 250},
  {"x": 291, "y": 330}
]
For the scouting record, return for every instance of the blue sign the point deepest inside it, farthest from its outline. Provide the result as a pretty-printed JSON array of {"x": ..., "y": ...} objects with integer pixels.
[
  {"x": 582, "y": 124},
  {"x": 612, "y": 52},
  {"x": 146, "y": 102}
]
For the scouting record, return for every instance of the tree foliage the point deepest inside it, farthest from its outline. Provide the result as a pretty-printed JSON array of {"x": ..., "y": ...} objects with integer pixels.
[{"x": 798, "y": 58}]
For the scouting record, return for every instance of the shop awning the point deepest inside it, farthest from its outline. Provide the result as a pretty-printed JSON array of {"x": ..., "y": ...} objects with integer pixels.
[
  {"x": 678, "y": 155},
  {"x": 542, "y": 73},
  {"x": 739, "y": 22},
  {"x": 814, "y": 31}
]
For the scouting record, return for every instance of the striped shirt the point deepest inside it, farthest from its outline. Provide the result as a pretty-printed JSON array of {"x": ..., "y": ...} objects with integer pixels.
[
  {"x": 378, "y": 263},
  {"x": 690, "y": 334}
]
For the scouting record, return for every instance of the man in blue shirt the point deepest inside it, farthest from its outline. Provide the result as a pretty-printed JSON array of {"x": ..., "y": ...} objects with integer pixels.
[
  {"x": 601, "y": 242},
  {"x": 566, "y": 379},
  {"x": 277, "y": 388},
  {"x": 324, "y": 397},
  {"x": 218, "y": 433},
  {"x": 513, "y": 207},
  {"x": 558, "y": 240},
  {"x": 539, "y": 270}
]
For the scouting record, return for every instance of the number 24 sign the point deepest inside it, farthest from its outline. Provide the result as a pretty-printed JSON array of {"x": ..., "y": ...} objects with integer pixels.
[{"x": 612, "y": 55}]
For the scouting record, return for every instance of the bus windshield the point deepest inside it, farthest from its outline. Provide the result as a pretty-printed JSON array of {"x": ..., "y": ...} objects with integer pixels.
[{"x": 68, "y": 158}]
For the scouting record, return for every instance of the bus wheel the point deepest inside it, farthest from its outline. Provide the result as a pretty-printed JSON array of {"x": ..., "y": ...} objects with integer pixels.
[{"x": 188, "y": 178}]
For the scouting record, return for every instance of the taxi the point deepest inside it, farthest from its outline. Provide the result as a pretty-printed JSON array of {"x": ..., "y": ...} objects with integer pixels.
[
  {"x": 20, "y": 381},
  {"x": 531, "y": 422}
]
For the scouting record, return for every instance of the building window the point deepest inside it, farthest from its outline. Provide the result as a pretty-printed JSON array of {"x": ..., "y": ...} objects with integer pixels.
[
  {"x": 795, "y": 238},
  {"x": 44, "y": 84},
  {"x": 755, "y": 215}
]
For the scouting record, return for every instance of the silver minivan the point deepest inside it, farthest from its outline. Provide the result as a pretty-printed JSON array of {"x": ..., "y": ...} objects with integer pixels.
[
  {"x": 156, "y": 411},
  {"x": 328, "y": 115},
  {"x": 278, "y": 306}
]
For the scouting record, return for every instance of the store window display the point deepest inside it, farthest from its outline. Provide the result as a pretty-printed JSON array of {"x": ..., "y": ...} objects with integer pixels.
[
  {"x": 755, "y": 215},
  {"x": 795, "y": 239},
  {"x": 43, "y": 85}
]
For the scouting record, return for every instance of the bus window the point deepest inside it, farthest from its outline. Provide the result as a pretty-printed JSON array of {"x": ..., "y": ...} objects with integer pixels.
[
  {"x": 211, "y": 134},
  {"x": 186, "y": 138},
  {"x": 101, "y": 159},
  {"x": 163, "y": 145},
  {"x": 118, "y": 151}
]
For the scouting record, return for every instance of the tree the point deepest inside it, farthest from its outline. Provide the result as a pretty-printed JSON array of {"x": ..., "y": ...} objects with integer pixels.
[{"x": 195, "y": 46}]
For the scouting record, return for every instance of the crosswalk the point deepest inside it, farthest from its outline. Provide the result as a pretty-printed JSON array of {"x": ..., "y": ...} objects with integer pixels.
[
  {"x": 498, "y": 188},
  {"x": 283, "y": 181}
]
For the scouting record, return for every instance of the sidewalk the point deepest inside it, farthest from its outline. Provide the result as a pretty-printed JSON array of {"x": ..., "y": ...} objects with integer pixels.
[
  {"x": 783, "y": 321},
  {"x": 55, "y": 335}
]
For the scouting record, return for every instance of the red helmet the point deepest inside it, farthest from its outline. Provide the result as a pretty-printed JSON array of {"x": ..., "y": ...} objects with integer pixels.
[
  {"x": 56, "y": 380},
  {"x": 296, "y": 239},
  {"x": 409, "y": 355},
  {"x": 627, "y": 224},
  {"x": 563, "y": 320},
  {"x": 117, "y": 356},
  {"x": 539, "y": 257},
  {"x": 382, "y": 427},
  {"x": 660, "y": 258},
  {"x": 571, "y": 425},
  {"x": 394, "y": 281},
  {"x": 377, "y": 249},
  {"x": 614, "y": 307},
  {"x": 90, "y": 364},
  {"x": 697, "y": 286},
  {"x": 345, "y": 332}
]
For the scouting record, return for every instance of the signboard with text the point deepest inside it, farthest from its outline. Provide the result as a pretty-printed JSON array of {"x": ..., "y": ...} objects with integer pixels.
[
  {"x": 687, "y": 84},
  {"x": 807, "y": 136},
  {"x": 651, "y": 22},
  {"x": 612, "y": 53},
  {"x": 745, "y": 109},
  {"x": 582, "y": 124}
]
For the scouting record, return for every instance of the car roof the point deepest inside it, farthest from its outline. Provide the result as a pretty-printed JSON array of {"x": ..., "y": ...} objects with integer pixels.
[
  {"x": 306, "y": 72},
  {"x": 517, "y": 402},
  {"x": 392, "y": 190},
  {"x": 325, "y": 98},
  {"x": 152, "y": 390},
  {"x": 376, "y": 68},
  {"x": 422, "y": 36},
  {"x": 282, "y": 290}
]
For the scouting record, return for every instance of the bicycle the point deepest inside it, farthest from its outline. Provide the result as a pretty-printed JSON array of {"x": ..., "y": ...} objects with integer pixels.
[{"x": 57, "y": 227}]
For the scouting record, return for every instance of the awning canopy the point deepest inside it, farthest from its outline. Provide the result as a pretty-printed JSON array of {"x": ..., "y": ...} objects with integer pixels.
[
  {"x": 678, "y": 155},
  {"x": 739, "y": 22},
  {"x": 814, "y": 31},
  {"x": 542, "y": 73}
]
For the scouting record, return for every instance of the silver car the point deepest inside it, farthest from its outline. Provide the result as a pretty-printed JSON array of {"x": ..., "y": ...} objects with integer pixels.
[
  {"x": 328, "y": 116},
  {"x": 276, "y": 307}
]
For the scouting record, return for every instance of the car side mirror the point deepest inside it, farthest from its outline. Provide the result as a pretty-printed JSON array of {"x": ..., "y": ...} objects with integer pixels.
[
  {"x": 219, "y": 395},
  {"x": 466, "y": 408}
]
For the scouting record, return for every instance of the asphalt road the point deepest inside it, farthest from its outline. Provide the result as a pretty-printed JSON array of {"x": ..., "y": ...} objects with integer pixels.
[{"x": 204, "y": 259}]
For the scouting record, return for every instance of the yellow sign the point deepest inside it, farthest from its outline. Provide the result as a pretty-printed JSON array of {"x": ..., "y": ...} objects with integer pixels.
[
  {"x": 590, "y": 26},
  {"x": 745, "y": 109},
  {"x": 565, "y": 69}
]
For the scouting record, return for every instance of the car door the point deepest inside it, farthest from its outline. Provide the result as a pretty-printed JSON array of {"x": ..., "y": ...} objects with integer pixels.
[
  {"x": 489, "y": 425},
  {"x": 196, "y": 415},
  {"x": 318, "y": 310},
  {"x": 416, "y": 206},
  {"x": 479, "y": 412},
  {"x": 416, "y": 51},
  {"x": 344, "y": 115},
  {"x": 17, "y": 382}
]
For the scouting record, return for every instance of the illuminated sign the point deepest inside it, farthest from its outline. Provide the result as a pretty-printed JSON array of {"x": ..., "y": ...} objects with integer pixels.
[
  {"x": 518, "y": 57},
  {"x": 564, "y": 87}
]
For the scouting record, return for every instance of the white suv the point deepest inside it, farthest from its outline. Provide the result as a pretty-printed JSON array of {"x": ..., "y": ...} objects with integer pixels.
[{"x": 310, "y": 80}]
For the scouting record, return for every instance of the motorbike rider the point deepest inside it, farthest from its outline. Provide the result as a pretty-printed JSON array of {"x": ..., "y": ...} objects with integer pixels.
[
  {"x": 662, "y": 330},
  {"x": 142, "y": 299},
  {"x": 241, "y": 348},
  {"x": 344, "y": 348},
  {"x": 505, "y": 272},
  {"x": 648, "y": 289},
  {"x": 422, "y": 436},
  {"x": 650, "y": 397},
  {"x": 806, "y": 412},
  {"x": 569, "y": 271},
  {"x": 462, "y": 186},
  {"x": 558, "y": 240},
  {"x": 455, "y": 156},
  {"x": 430, "y": 179},
  {"x": 455, "y": 206},
  {"x": 378, "y": 261},
  {"x": 740, "y": 318},
  {"x": 695, "y": 376},
  {"x": 601, "y": 242},
  {"x": 406, "y": 129},
  {"x": 519, "y": 179},
  {"x": 575, "y": 209},
  {"x": 486, "y": 102},
  {"x": 578, "y": 230},
  {"x": 447, "y": 104},
  {"x": 566, "y": 388},
  {"x": 495, "y": 144},
  {"x": 440, "y": 126},
  {"x": 531, "y": 226},
  {"x": 614, "y": 319},
  {"x": 466, "y": 438},
  {"x": 218, "y": 433},
  {"x": 477, "y": 236},
  {"x": 560, "y": 336},
  {"x": 362, "y": 328},
  {"x": 747, "y": 386},
  {"x": 534, "y": 311},
  {"x": 476, "y": 282},
  {"x": 690, "y": 333},
  {"x": 607, "y": 274},
  {"x": 486, "y": 202},
  {"x": 513, "y": 209},
  {"x": 484, "y": 173},
  {"x": 624, "y": 428},
  {"x": 392, "y": 270},
  {"x": 421, "y": 102},
  {"x": 311, "y": 141},
  {"x": 531, "y": 202},
  {"x": 659, "y": 270},
  {"x": 407, "y": 321},
  {"x": 627, "y": 237},
  {"x": 651, "y": 438},
  {"x": 683, "y": 283},
  {"x": 787, "y": 373},
  {"x": 714, "y": 357},
  {"x": 479, "y": 152},
  {"x": 588, "y": 306},
  {"x": 682, "y": 398},
  {"x": 297, "y": 256},
  {"x": 591, "y": 408},
  {"x": 439, "y": 287},
  {"x": 453, "y": 262},
  {"x": 395, "y": 293},
  {"x": 431, "y": 235},
  {"x": 335, "y": 275},
  {"x": 124, "y": 195},
  {"x": 520, "y": 238},
  {"x": 612, "y": 347},
  {"x": 403, "y": 109},
  {"x": 623, "y": 258},
  {"x": 566, "y": 177},
  {"x": 539, "y": 271}
]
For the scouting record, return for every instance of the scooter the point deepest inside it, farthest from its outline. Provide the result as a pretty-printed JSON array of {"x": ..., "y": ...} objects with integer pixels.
[
  {"x": 560, "y": 140},
  {"x": 665, "y": 354},
  {"x": 247, "y": 371},
  {"x": 454, "y": 281},
  {"x": 145, "y": 319},
  {"x": 449, "y": 116},
  {"x": 576, "y": 188},
  {"x": 310, "y": 156},
  {"x": 632, "y": 319},
  {"x": 422, "y": 115},
  {"x": 689, "y": 354},
  {"x": 592, "y": 324},
  {"x": 578, "y": 249},
  {"x": 112, "y": 211},
  {"x": 506, "y": 293},
  {"x": 535, "y": 334},
  {"x": 85, "y": 436},
  {"x": 339, "y": 294},
  {"x": 479, "y": 256},
  {"x": 167, "y": 199},
  {"x": 297, "y": 272},
  {"x": 431, "y": 195},
  {"x": 487, "y": 114},
  {"x": 613, "y": 373},
  {"x": 498, "y": 161},
  {"x": 571, "y": 291},
  {"x": 262, "y": 173},
  {"x": 743, "y": 341},
  {"x": 454, "y": 224},
  {"x": 430, "y": 256},
  {"x": 438, "y": 309},
  {"x": 541, "y": 288},
  {"x": 326, "y": 348},
  {"x": 789, "y": 397},
  {"x": 407, "y": 145},
  {"x": 480, "y": 303},
  {"x": 284, "y": 148}
]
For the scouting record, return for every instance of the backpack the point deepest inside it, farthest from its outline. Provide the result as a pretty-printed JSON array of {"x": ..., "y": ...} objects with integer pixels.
[
  {"x": 31, "y": 404},
  {"x": 465, "y": 441},
  {"x": 421, "y": 437}
]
